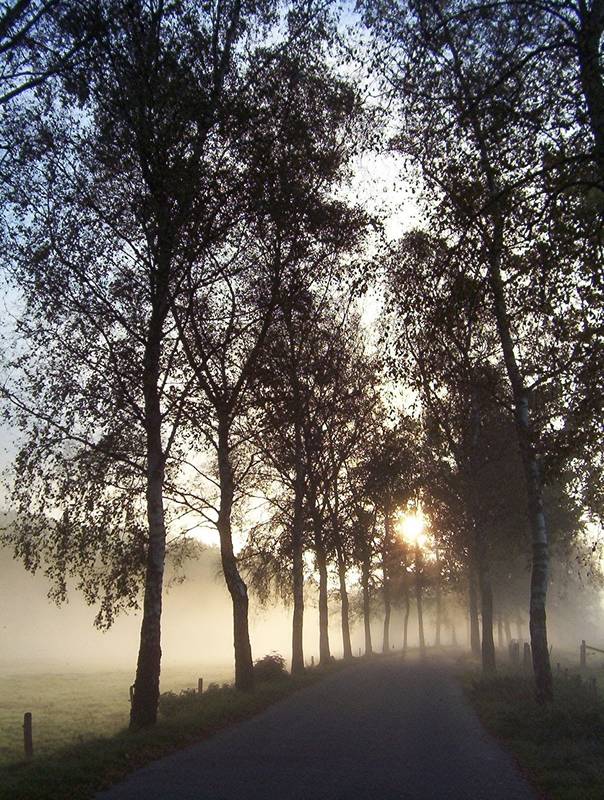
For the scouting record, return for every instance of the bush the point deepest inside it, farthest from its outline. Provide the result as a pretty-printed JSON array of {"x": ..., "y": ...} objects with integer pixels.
[
  {"x": 270, "y": 668},
  {"x": 171, "y": 703}
]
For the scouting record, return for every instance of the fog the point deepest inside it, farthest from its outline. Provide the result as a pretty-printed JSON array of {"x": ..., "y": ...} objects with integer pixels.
[{"x": 37, "y": 635}]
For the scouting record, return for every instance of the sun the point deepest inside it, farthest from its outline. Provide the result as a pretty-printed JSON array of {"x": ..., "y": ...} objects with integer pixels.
[{"x": 411, "y": 527}]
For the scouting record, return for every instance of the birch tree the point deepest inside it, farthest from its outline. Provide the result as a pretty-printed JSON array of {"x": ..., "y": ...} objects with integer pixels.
[{"x": 110, "y": 197}]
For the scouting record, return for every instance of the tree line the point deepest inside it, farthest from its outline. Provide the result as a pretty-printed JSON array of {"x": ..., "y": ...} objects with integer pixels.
[{"x": 189, "y": 262}]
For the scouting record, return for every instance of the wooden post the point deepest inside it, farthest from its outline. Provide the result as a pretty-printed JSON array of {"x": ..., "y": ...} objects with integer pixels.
[
  {"x": 28, "y": 740},
  {"x": 131, "y": 694},
  {"x": 199, "y": 685},
  {"x": 312, "y": 661},
  {"x": 583, "y": 655}
]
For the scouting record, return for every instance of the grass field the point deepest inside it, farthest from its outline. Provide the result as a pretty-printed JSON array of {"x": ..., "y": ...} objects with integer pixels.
[
  {"x": 560, "y": 746},
  {"x": 67, "y": 767},
  {"x": 69, "y": 708}
]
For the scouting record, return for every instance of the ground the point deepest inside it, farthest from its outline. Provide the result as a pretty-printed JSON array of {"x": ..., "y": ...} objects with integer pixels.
[{"x": 380, "y": 730}]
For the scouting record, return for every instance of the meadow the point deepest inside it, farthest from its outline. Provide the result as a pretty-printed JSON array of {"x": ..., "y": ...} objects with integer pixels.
[
  {"x": 83, "y": 744},
  {"x": 73, "y": 707}
]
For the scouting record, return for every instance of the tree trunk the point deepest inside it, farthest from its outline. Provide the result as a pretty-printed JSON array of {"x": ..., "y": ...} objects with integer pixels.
[
  {"x": 366, "y": 604},
  {"x": 143, "y": 710},
  {"x": 244, "y": 671},
  {"x": 486, "y": 600},
  {"x": 344, "y": 603},
  {"x": 525, "y": 433},
  {"x": 486, "y": 606},
  {"x": 473, "y": 613},
  {"x": 438, "y": 601},
  {"x": 321, "y": 561},
  {"x": 298, "y": 566},
  {"x": 480, "y": 553},
  {"x": 406, "y": 600},
  {"x": 419, "y": 600},
  {"x": 387, "y": 611},
  {"x": 386, "y": 595},
  {"x": 346, "y": 643},
  {"x": 588, "y": 37}
]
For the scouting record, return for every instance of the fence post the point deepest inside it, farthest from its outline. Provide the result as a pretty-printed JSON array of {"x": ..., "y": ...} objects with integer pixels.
[
  {"x": 199, "y": 685},
  {"x": 28, "y": 741},
  {"x": 583, "y": 655}
]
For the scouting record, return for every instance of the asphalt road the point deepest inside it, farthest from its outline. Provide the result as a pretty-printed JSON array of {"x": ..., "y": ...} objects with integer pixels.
[{"x": 382, "y": 730}]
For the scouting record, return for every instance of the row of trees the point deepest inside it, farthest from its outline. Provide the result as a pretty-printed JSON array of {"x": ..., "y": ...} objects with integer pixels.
[
  {"x": 162, "y": 200},
  {"x": 500, "y": 111},
  {"x": 179, "y": 224}
]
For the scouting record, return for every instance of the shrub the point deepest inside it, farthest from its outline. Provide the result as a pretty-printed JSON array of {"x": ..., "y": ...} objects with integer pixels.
[
  {"x": 270, "y": 668},
  {"x": 171, "y": 703}
]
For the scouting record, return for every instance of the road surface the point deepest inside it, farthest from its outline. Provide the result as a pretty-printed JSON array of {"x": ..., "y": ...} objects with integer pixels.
[{"x": 381, "y": 730}]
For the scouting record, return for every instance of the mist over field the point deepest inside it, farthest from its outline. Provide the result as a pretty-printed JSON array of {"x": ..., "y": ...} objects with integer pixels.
[
  {"x": 197, "y": 624},
  {"x": 36, "y": 635}
]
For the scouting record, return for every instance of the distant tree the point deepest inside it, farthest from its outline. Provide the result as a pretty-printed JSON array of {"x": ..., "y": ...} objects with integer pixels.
[
  {"x": 363, "y": 532},
  {"x": 442, "y": 341},
  {"x": 391, "y": 466},
  {"x": 336, "y": 417},
  {"x": 347, "y": 428},
  {"x": 280, "y": 395},
  {"x": 293, "y": 144},
  {"x": 315, "y": 394}
]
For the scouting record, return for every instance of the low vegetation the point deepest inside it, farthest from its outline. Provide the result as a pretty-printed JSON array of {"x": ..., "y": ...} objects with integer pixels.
[
  {"x": 269, "y": 668},
  {"x": 559, "y": 746},
  {"x": 77, "y": 771}
]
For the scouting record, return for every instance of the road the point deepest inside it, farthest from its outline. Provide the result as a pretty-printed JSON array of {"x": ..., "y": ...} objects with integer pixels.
[{"x": 382, "y": 730}]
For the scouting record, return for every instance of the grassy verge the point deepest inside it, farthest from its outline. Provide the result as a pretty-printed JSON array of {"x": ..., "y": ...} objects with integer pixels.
[
  {"x": 78, "y": 771},
  {"x": 561, "y": 746}
]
